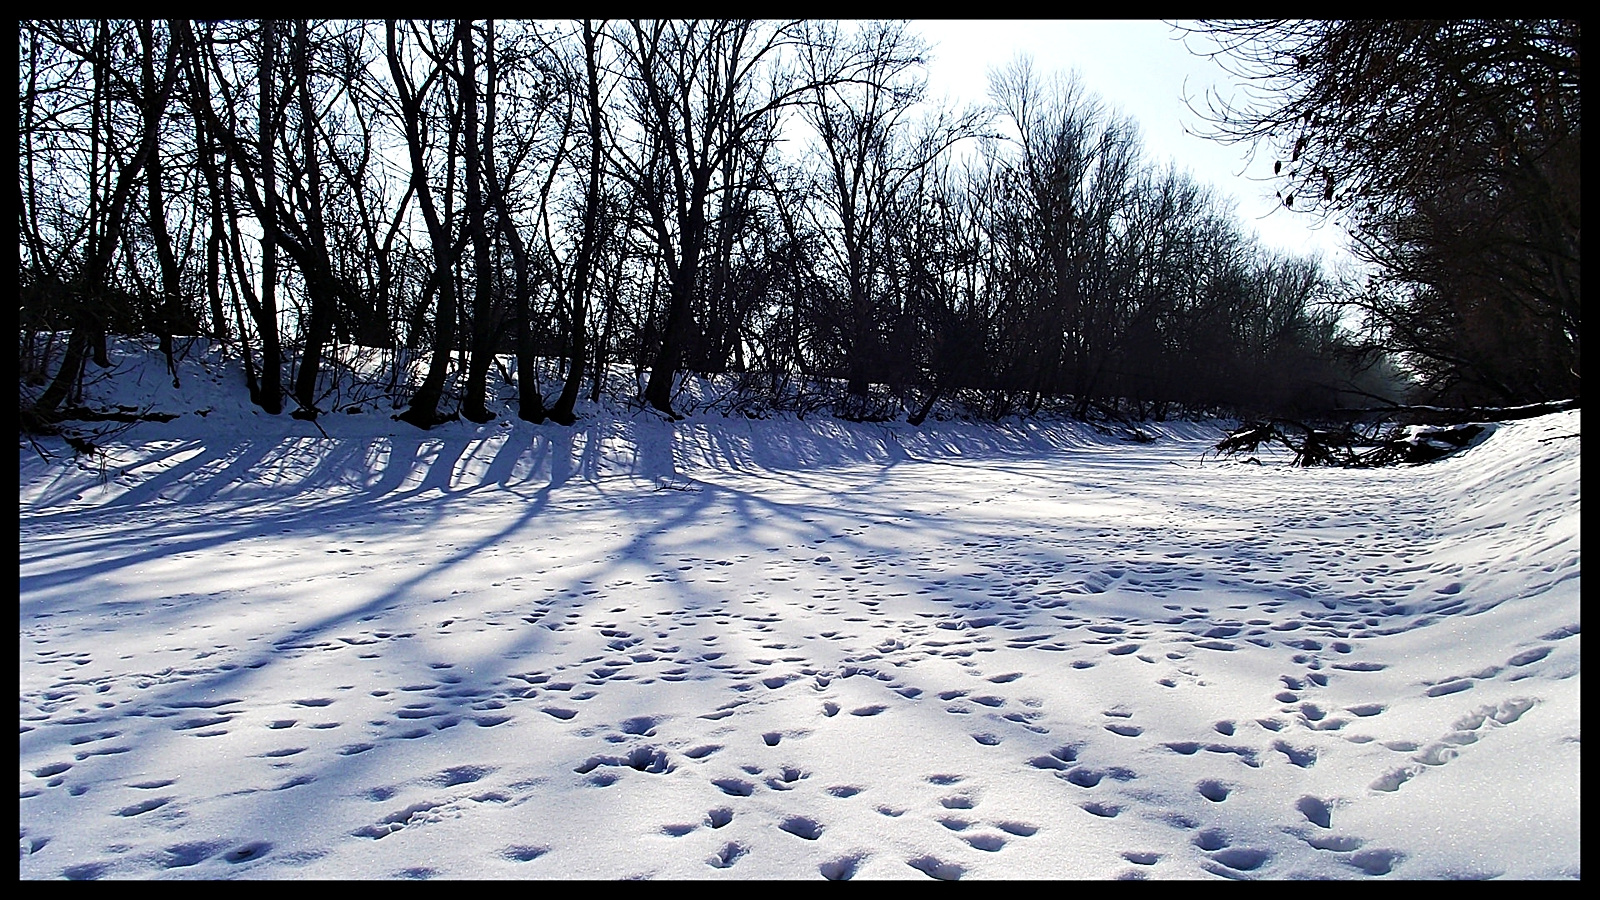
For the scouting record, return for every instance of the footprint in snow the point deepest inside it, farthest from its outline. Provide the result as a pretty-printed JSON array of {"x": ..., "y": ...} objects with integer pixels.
[
  {"x": 144, "y": 806},
  {"x": 1376, "y": 861},
  {"x": 727, "y": 856},
  {"x": 937, "y": 869},
  {"x": 1316, "y": 810},
  {"x": 1141, "y": 857},
  {"x": 842, "y": 868},
  {"x": 247, "y": 852},
  {"x": 734, "y": 787},
  {"x": 988, "y": 843},
  {"x": 1335, "y": 843},
  {"x": 1449, "y": 687},
  {"x": 1244, "y": 859},
  {"x": 802, "y": 827}
]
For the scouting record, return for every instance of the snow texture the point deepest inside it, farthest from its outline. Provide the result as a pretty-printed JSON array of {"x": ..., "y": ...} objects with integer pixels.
[{"x": 726, "y": 648}]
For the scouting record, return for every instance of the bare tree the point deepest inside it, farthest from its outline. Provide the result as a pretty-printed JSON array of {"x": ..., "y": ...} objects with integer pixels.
[
  {"x": 589, "y": 230},
  {"x": 1449, "y": 149},
  {"x": 868, "y": 153},
  {"x": 111, "y": 173},
  {"x": 423, "y": 411},
  {"x": 698, "y": 91}
]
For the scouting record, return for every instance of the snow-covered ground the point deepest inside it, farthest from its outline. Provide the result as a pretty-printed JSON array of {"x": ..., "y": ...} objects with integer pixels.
[{"x": 788, "y": 649}]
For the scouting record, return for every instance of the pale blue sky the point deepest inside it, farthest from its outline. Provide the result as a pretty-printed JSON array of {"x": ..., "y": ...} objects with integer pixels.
[{"x": 1142, "y": 68}]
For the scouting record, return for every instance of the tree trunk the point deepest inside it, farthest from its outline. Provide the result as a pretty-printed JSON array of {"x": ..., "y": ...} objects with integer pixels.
[
  {"x": 154, "y": 106},
  {"x": 423, "y": 411},
  {"x": 267, "y": 318},
  {"x": 473, "y": 401},
  {"x": 321, "y": 282},
  {"x": 588, "y": 241}
]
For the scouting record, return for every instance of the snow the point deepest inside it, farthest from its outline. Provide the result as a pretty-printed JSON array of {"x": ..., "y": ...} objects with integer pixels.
[{"x": 785, "y": 648}]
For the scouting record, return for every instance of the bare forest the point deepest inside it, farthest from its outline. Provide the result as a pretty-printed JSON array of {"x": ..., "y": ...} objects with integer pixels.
[{"x": 782, "y": 203}]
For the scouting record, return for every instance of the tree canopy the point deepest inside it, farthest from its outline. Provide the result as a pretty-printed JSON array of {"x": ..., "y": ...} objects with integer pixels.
[{"x": 1450, "y": 151}]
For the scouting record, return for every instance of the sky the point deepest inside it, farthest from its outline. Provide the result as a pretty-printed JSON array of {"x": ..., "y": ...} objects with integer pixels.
[
  {"x": 1142, "y": 68},
  {"x": 732, "y": 648}
]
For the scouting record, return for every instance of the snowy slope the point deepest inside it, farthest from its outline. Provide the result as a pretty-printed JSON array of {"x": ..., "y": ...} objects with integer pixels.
[{"x": 788, "y": 648}]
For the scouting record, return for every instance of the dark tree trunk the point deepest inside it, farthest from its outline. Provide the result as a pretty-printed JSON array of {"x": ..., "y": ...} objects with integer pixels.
[
  {"x": 588, "y": 241},
  {"x": 423, "y": 411},
  {"x": 267, "y": 318},
  {"x": 154, "y": 104},
  {"x": 473, "y": 401},
  {"x": 311, "y": 249}
]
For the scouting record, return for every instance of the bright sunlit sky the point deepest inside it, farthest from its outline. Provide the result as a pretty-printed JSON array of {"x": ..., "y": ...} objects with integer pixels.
[{"x": 1142, "y": 69}]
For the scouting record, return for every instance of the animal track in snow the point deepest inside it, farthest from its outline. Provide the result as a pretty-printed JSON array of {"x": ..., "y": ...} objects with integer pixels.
[
  {"x": 728, "y": 855},
  {"x": 1391, "y": 781},
  {"x": 841, "y": 868},
  {"x": 1305, "y": 759},
  {"x": 786, "y": 778},
  {"x": 802, "y": 827},
  {"x": 144, "y": 806},
  {"x": 1449, "y": 687},
  {"x": 988, "y": 843},
  {"x": 1244, "y": 859},
  {"x": 1141, "y": 857},
  {"x": 1528, "y": 657},
  {"x": 181, "y": 856},
  {"x": 734, "y": 787},
  {"x": 935, "y": 868},
  {"x": 1082, "y": 776},
  {"x": 1335, "y": 843},
  {"x": 247, "y": 852},
  {"x": 1377, "y": 861},
  {"x": 1466, "y": 731},
  {"x": 1316, "y": 810}
]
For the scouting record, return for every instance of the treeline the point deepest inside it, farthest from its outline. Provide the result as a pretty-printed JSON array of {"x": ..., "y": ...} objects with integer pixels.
[
  {"x": 771, "y": 198},
  {"x": 1450, "y": 151}
]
